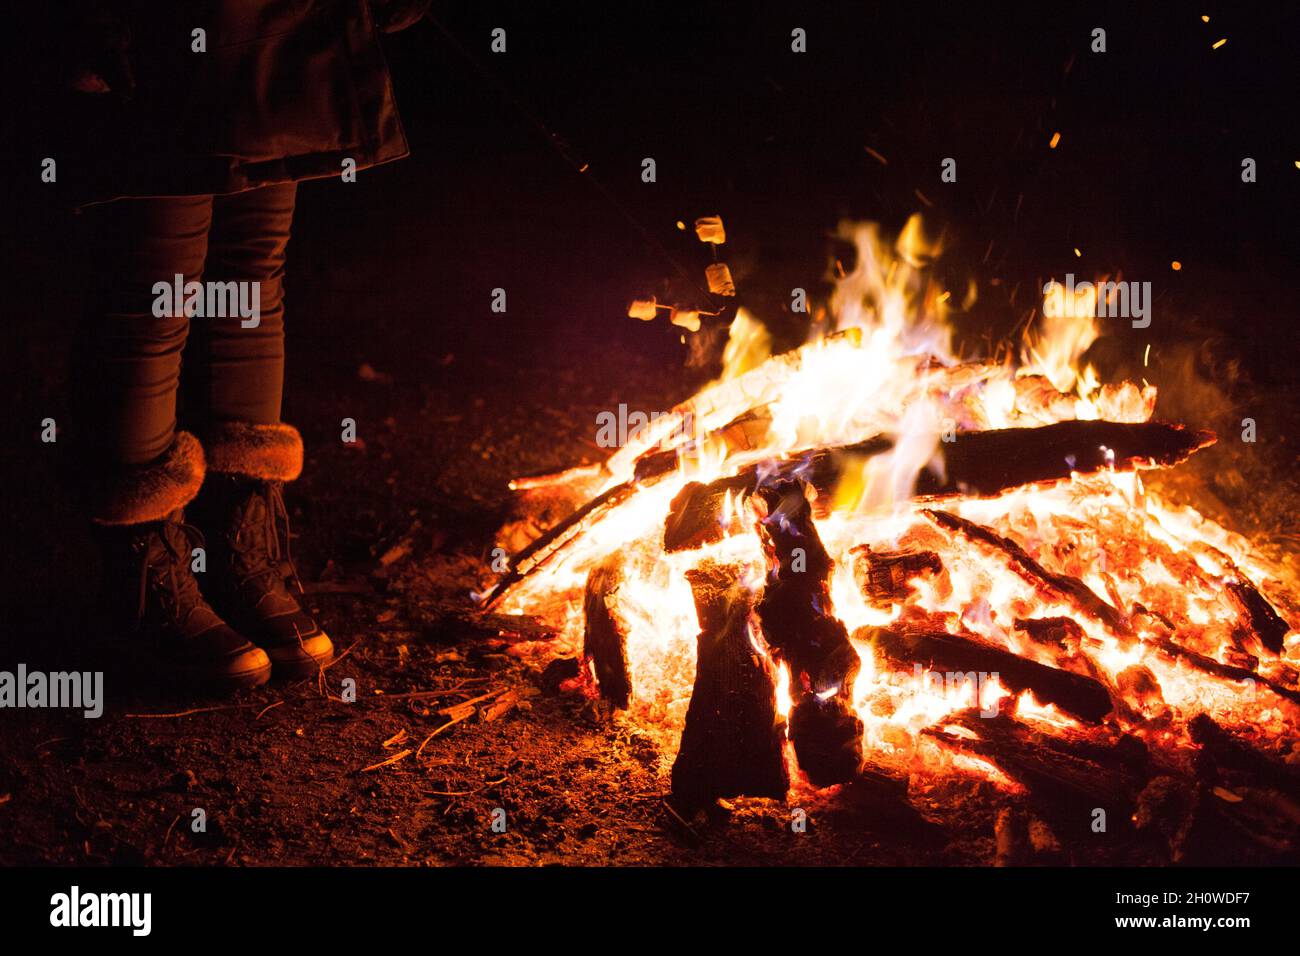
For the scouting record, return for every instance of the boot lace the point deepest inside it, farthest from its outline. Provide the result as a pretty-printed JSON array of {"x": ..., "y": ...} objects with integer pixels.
[
  {"x": 165, "y": 572},
  {"x": 260, "y": 541}
]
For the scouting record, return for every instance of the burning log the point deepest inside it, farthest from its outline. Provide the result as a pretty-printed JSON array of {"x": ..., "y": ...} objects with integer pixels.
[
  {"x": 554, "y": 541},
  {"x": 1264, "y": 622},
  {"x": 977, "y": 464},
  {"x": 733, "y": 742},
  {"x": 885, "y": 576},
  {"x": 745, "y": 432},
  {"x": 800, "y": 628},
  {"x": 604, "y": 638},
  {"x": 1259, "y": 620},
  {"x": 1073, "y": 693},
  {"x": 1059, "y": 633},
  {"x": 1226, "y": 671},
  {"x": 1054, "y": 585},
  {"x": 1083, "y": 599},
  {"x": 1068, "y": 775},
  {"x": 705, "y": 410}
]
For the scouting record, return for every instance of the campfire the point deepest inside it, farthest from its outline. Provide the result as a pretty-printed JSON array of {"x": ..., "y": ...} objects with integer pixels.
[{"x": 870, "y": 557}]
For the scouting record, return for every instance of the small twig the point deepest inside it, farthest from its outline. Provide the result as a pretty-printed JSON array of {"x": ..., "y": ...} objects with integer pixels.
[
  {"x": 391, "y": 760},
  {"x": 401, "y": 844},
  {"x": 266, "y": 708},
  {"x": 340, "y": 657},
  {"x": 455, "y": 720},
  {"x": 168, "y": 835},
  {"x": 417, "y": 694},
  {"x": 320, "y": 673},
  {"x": 690, "y": 830},
  {"x": 473, "y": 700},
  {"x": 467, "y": 793},
  {"x": 195, "y": 710}
]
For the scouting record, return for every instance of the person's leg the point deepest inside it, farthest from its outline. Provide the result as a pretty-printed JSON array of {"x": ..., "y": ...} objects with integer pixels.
[
  {"x": 140, "y": 471},
  {"x": 131, "y": 356},
  {"x": 238, "y": 372},
  {"x": 236, "y": 400}
]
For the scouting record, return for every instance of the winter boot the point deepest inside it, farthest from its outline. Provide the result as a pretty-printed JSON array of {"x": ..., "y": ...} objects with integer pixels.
[
  {"x": 149, "y": 586},
  {"x": 241, "y": 510}
]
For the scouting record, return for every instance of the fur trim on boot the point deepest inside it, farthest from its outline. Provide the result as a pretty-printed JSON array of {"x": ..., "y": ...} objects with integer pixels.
[
  {"x": 150, "y": 492},
  {"x": 265, "y": 452}
]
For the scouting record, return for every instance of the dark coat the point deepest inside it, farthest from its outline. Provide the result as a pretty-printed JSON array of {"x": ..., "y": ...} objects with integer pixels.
[{"x": 286, "y": 90}]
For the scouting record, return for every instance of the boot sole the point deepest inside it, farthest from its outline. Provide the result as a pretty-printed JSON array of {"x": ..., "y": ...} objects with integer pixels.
[
  {"x": 253, "y": 678},
  {"x": 300, "y": 668},
  {"x": 222, "y": 683}
]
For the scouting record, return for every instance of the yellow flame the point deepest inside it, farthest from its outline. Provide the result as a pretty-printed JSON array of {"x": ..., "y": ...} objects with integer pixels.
[{"x": 748, "y": 345}]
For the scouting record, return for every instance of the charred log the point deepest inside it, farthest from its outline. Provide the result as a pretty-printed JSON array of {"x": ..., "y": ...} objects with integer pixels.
[
  {"x": 1209, "y": 826},
  {"x": 1058, "y": 633},
  {"x": 733, "y": 742},
  {"x": 1073, "y": 693},
  {"x": 800, "y": 627},
  {"x": 1223, "y": 750},
  {"x": 989, "y": 462},
  {"x": 885, "y": 577},
  {"x": 1263, "y": 621},
  {"x": 1068, "y": 776},
  {"x": 696, "y": 515},
  {"x": 604, "y": 637}
]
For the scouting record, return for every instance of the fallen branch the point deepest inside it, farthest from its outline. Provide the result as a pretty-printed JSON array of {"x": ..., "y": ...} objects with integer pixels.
[
  {"x": 193, "y": 710},
  {"x": 266, "y": 708}
]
